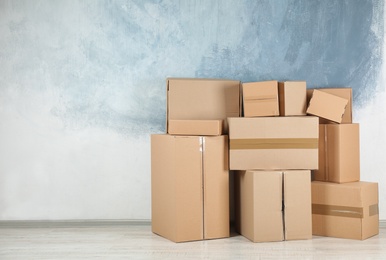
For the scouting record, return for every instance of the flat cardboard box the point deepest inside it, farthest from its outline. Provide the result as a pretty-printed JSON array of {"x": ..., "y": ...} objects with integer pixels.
[
  {"x": 190, "y": 187},
  {"x": 196, "y": 127},
  {"x": 260, "y": 98},
  {"x": 273, "y": 205},
  {"x": 348, "y": 210},
  {"x": 327, "y": 106},
  {"x": 339, "y": 159},
  {"x": 202, "y": 99},
  {"x": 292, "y": 98},
  {"x": 345, "y": 93},
  {"x": 270, "y": 143}
]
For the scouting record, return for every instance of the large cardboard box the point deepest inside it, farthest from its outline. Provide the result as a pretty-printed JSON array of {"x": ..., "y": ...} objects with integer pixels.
[
  {"x": 339, "y": 159},
  {"x": 345, "y": 93},
  {"x": 273, "y": 205},
  {"x": 190, "y": 187},
  {"x": 196, "y": 127},
  {"x": 270, "y": 143},
  {"x": 260, "y": 98},
  {"x": 292, "y": 98},
  {"x": 348, "y": 210},
  {"x": 327, "y": 106},
  {"x": 202, "y": 99}
]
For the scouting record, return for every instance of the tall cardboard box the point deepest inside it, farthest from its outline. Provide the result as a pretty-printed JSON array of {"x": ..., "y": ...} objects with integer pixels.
[
  {"x": 292, "y": 98},
  {"x": 190, "y": 187},
  {"x": 202, "y": 99},
  {"x": 348, "y": 210},
  {"x": 273, "y": 205},
  {"x": 327, "y": 106},
  {"x": 339, "y": 159},
  {"x": 345, "y": 93},
  {"x": 260, "y": 98},
  {"x": 270, "y": 143}
]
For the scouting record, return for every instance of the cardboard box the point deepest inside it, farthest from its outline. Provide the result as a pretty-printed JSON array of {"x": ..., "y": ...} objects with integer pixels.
[
  {"x": 260, "y": 98},
  {"x": 345, "y": 93},
  {"x": 292, "y": 98},
  {"x": 348, "y": 210},
  {"x": 327, "y": 106},
  {"x": 196, "y": 127},
  {"x": 339, "y": 159},
  {"x": 297, "y": 205},
  {"x": 190, "y": 187},
  {"x": 202, "y": 99},
  {"x": 269, "y": 143},
  {"x": 273, "y": 205}
]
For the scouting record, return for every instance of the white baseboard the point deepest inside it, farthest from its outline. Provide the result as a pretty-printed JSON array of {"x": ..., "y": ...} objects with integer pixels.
[
  {"x": 72, "y": 223},
  {"x": 87, "y": 223}
]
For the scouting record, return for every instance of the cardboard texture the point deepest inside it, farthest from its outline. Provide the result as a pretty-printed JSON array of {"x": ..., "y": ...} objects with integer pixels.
[
  {"x": 345, "y": 93},
  {"x": 260, "y": 98},
  {"x": 260, "y": 196},
  {"x": 292, "y": 98},
  {"x": 270, "y": 143},
  {"x": 297, "y": 205},
  {"x": 259, "y": 205},
  {"x": 327, "y": 106},
  {"x": 190, "y": 187},
  {"x": 348, "y": 210},
  {"x": 196, "y": 127},
  {"x": 339, "y": 159},
  {"x": 202, "y": 99}
]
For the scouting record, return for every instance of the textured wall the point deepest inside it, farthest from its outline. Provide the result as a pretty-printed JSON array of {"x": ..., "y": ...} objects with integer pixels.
[{"x": 82, "y": 85}]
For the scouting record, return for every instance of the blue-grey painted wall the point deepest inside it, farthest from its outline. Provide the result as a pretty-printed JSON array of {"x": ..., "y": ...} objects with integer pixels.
[{"x": 82, "y": 84}]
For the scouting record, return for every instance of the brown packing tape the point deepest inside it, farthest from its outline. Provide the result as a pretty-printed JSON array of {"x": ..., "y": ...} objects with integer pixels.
[
  {"x": 274, "y": 143},
  {"x": 340, "y": 211},
  {"x": 343, "y": 211}
]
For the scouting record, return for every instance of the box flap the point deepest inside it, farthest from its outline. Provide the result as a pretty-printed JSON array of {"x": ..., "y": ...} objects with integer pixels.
[
  {"x": 297, "y": 205},
  {"x": 327, "y": 106},
  {"x": 216, "y": 187},
  {"x": 345, "y": 93}
]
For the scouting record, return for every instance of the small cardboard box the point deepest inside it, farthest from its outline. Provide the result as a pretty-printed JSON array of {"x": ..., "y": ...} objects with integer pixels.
[
  {"x": 273, "y": 205},
  {"x": 327, "y": 106},
  {"x": 270, "y": 143},
  {"x": 196, "y": 127},
  {"x": 292, "y": 98},
  {"x": 260, "y": 98},
  {"x": 339, "y": 159},
  {"x": 202, "y": 99},
  {"x": 190, "y": 187},
  {"x": 348, "y": 210},
  {"x": 345, "y": 93}
]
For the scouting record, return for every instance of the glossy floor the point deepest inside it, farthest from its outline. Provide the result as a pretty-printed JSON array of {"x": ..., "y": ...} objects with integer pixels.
[{"x": 135, "y": 241}]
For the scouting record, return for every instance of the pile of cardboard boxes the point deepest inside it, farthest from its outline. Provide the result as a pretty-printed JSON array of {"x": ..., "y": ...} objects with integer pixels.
[{"x": 272, "y": 138}]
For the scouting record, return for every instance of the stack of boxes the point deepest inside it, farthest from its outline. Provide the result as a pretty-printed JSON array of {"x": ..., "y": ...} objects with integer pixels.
[
  {"x": 270, "y": 151},
  {"x": 189, "y": 171},
  {"x": 342, "y": 205},
  {"x": 273, "y": 148}
]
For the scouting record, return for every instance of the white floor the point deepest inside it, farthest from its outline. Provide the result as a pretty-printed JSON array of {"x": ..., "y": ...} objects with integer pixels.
[{"x": 136, "y": 241}]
